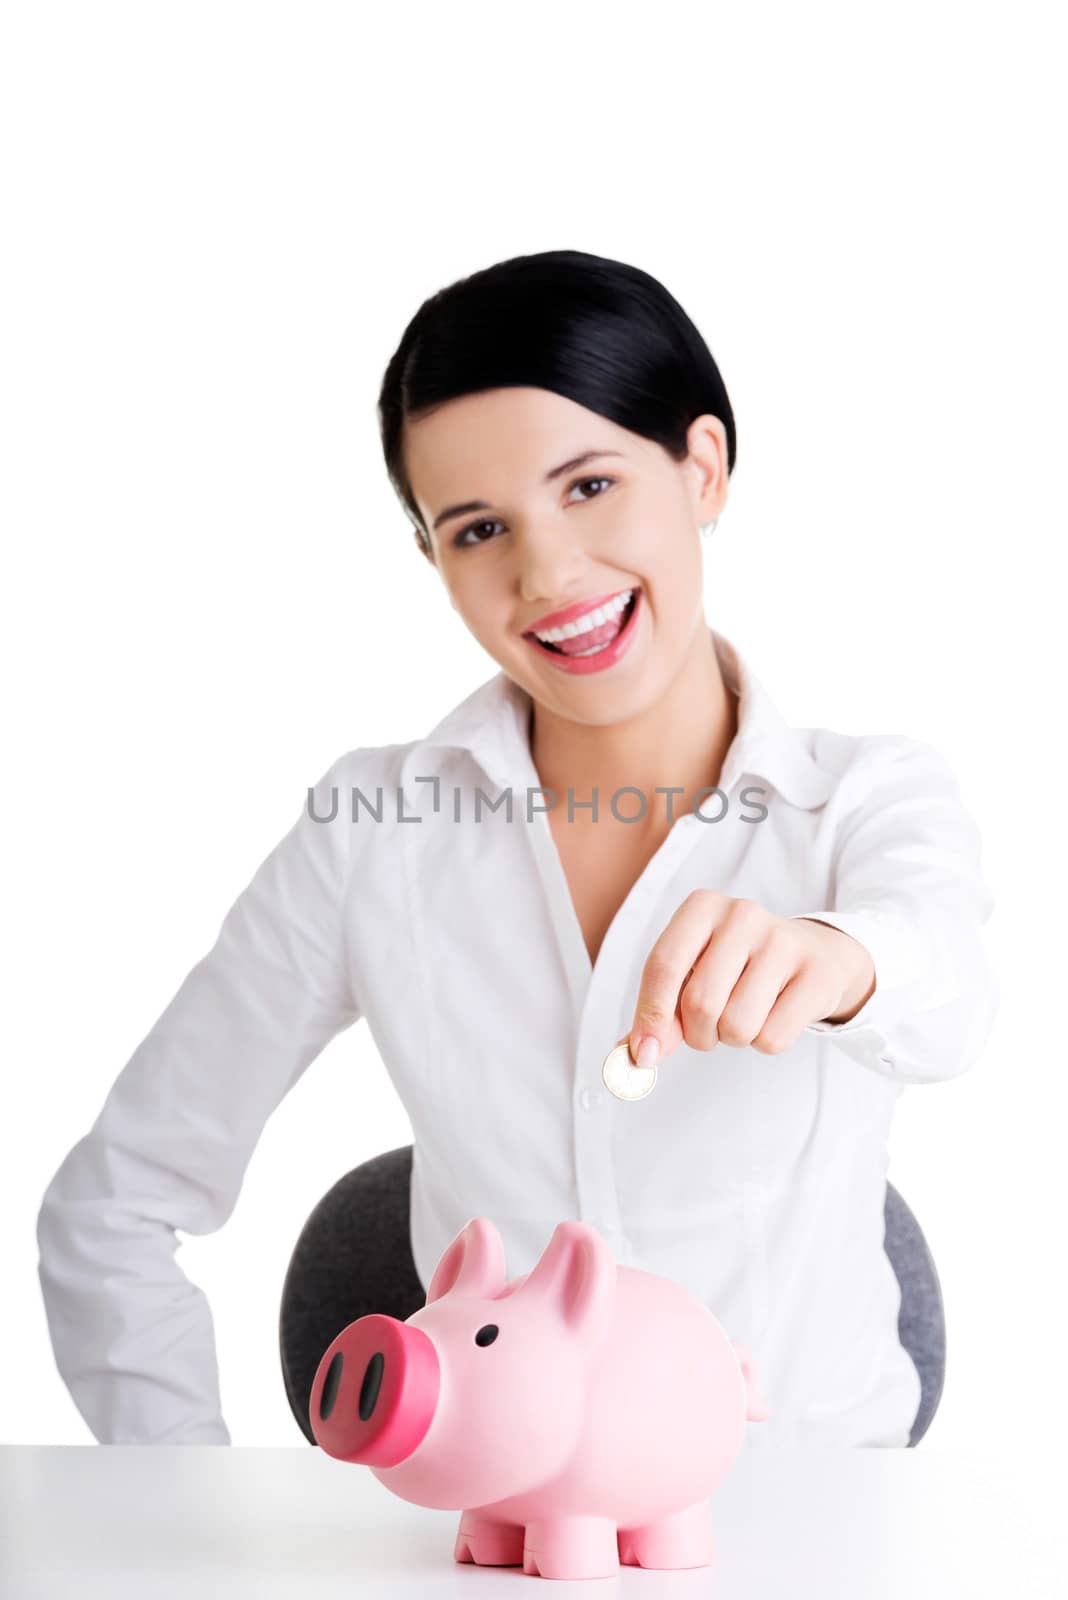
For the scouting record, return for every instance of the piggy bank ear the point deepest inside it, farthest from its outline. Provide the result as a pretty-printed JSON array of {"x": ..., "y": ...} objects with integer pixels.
[
  {"x": 756, "y": 1407},
  {"x": 576, "y": 1274},
  {"x": 472, "y": 1265}
]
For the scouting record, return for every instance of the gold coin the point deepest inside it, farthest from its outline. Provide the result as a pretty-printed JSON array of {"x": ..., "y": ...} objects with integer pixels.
[{"x": 623, "y": 1078}]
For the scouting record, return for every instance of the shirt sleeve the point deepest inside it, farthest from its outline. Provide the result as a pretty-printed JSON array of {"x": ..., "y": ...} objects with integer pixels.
[
  {"x": 908, "y": 885},
  {"x": 133, "y": 1337}
]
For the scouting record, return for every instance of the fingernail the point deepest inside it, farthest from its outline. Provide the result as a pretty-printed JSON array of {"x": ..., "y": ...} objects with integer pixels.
[{"x": 648, "y": 1051}]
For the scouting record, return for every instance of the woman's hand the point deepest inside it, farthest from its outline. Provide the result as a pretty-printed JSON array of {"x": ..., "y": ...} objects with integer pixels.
[{"x": 728, "y": 971}]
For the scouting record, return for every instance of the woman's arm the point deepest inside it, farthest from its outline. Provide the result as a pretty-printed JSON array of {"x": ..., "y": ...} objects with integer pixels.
[
  {"x": 905, "y": 964},
  {"x": 908, "y": 886},
  {"x": 133, "y": 1337}
]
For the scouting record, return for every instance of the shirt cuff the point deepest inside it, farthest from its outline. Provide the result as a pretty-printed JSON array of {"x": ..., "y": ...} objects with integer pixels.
[{"x": 898, "y": 954}]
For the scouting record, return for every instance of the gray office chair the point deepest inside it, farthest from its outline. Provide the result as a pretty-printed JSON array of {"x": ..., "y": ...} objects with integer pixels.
[{"x": 354, "y": 1257}]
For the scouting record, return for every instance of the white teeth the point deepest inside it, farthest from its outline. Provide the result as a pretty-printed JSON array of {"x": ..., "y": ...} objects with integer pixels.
[{"x": 588, "y": 621}]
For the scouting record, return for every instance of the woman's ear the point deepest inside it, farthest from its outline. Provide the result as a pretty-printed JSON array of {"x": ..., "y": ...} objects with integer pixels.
[{"x": 707, "y": 440}]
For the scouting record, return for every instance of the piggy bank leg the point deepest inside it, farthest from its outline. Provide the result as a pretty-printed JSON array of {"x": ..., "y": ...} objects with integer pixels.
[
  {"x": 682, "y": 1540},
  {"x": 489, "y": 1544},
  {"x": 571, "y": 1547}
]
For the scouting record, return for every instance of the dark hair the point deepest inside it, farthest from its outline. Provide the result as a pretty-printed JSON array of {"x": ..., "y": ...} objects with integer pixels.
[{"x": 599, "y": 332}]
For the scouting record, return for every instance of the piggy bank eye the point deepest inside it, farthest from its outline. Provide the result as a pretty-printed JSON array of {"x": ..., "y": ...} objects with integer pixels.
[{"x": 487, "y": 1334}]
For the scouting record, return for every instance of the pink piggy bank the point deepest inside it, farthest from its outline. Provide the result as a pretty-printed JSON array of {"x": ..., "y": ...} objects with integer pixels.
[{"x": 579, "y": 1415}]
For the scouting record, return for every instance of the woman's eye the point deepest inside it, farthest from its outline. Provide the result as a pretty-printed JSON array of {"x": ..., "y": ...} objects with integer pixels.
[
  {"x": 462, "y": 539},
  {"x": 582, "y": 483}
]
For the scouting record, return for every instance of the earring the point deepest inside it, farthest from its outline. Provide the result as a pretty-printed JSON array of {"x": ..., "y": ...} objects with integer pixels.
[{"x": 708, "y": 527}]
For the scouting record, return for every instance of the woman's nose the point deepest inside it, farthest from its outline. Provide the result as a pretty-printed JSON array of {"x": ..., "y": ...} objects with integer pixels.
[{"x": 550, "y": 565}]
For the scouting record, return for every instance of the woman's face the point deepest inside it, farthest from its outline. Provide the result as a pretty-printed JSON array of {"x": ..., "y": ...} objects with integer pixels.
[{"x": 541, "y": 539}]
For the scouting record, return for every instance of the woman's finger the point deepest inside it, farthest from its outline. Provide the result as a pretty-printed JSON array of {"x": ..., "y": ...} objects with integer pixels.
[
  {"x": 719, "y": 968},
  {"x": 667, "y": 967},
  {"x": 745, "y": 1013},
  {"x": 803, "y": 1000}
]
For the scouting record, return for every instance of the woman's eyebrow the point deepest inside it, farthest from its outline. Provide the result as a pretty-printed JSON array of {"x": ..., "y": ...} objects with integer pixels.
[{"x": 483, "y": 505}]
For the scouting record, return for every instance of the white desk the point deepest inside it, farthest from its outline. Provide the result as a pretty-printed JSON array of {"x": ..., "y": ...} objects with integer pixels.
[{"x": 205, "y": 1522}]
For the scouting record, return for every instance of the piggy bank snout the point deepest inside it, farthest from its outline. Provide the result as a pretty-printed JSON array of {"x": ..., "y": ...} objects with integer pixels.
[{"x": 375, "y": 1391}]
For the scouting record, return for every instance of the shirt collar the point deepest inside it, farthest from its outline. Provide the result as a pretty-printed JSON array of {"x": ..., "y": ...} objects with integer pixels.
[{"x": 492, "y": 726}]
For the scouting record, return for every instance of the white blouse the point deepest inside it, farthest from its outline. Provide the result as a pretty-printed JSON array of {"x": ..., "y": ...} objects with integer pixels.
[{"x": 758, "y": 1181}]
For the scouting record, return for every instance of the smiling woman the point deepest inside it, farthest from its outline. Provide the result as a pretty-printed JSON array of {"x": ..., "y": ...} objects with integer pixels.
[{"x": 557, "y": 431}]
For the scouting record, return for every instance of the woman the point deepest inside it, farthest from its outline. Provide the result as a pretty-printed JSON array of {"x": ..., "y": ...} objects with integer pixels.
[{"x": 786, "y": 921}]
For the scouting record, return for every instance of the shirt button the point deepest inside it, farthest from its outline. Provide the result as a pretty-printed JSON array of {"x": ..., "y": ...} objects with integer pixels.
[{"x": 589, "y": 1098}]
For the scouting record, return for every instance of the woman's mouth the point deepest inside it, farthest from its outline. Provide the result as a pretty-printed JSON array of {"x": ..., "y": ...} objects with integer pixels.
[{"x": 592, "y": 646}]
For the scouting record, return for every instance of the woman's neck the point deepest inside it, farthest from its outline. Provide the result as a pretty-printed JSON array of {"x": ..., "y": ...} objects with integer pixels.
[{"x": 680, "y": 741}]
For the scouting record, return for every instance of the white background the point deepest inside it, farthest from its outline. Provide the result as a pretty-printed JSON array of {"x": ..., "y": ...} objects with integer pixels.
[{"x": 218, "y": 220}]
